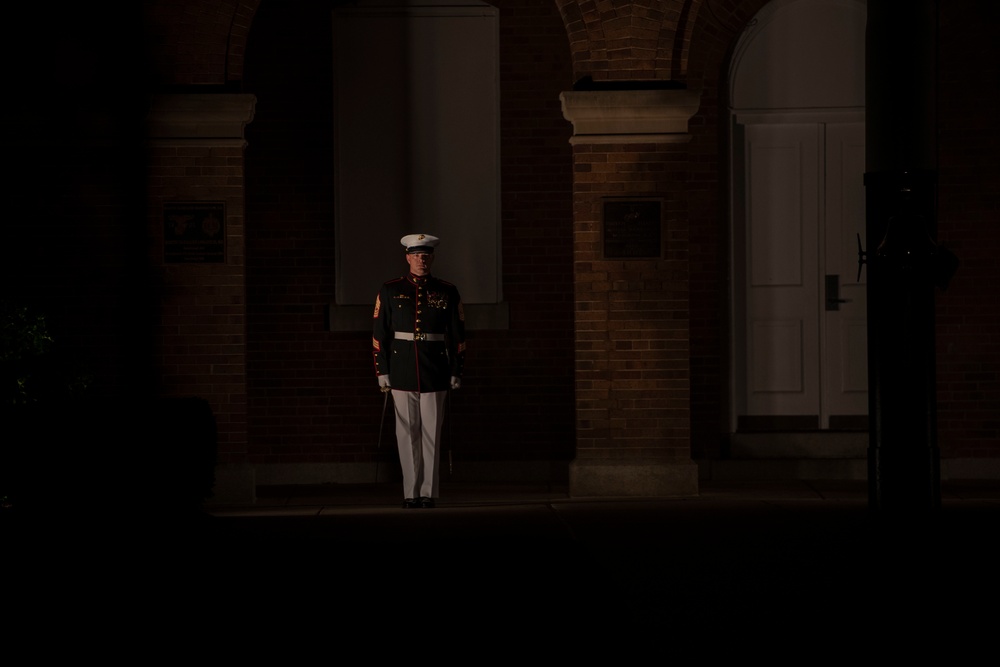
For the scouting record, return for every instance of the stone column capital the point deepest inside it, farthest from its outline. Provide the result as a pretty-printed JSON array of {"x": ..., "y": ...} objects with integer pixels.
[
  {"x": 200, "y": 116},
  {"x": 629, "y": 116}
]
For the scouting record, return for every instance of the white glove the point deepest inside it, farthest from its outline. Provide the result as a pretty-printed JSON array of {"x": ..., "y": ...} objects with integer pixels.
[
  {"x": 383, "y": 382},
  {"x": 456, "y": 382}
]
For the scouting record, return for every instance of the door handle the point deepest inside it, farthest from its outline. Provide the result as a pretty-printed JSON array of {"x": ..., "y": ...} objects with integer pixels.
[{"x": 833, "y": 299}]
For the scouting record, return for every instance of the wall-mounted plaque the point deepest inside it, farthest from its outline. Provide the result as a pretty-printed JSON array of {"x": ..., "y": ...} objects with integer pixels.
[
  {"x": 194, "y": 233},
  {"x": 633, "y": 228}
]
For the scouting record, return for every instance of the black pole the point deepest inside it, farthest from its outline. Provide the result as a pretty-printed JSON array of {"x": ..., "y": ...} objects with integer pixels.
[
  {"x": 904, "y": 261},
  {"x": 903, "y": 460}
]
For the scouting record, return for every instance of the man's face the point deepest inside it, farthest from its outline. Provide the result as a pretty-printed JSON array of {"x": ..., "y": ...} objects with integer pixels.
[{"x": 420, "y": 263}]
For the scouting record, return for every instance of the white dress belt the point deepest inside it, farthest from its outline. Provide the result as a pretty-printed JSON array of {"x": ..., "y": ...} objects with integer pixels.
[{"x": 402, "y": 335}]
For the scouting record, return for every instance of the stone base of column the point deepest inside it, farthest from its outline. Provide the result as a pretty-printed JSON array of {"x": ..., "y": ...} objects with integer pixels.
[
  {"x": 627, "y": 478},
  {"x": 235, "y": 484}
]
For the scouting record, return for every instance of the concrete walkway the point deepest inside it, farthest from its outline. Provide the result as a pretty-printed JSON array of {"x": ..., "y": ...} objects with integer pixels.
[
  {"x": 798, "y": 553},
  {"x": 795, "y": 560}
]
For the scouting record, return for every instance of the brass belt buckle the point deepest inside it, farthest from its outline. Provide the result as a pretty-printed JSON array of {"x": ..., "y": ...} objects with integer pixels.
[{"x": 418, "y": 336}]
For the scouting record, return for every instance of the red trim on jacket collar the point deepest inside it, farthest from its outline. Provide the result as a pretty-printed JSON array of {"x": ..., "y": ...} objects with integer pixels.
[{"x": 418, "y": 280}]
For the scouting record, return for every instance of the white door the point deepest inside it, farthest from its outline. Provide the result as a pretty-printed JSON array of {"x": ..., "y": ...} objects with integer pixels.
[
  {"x": 844, "y": 366},
  {"x": 805, "y": 311}
]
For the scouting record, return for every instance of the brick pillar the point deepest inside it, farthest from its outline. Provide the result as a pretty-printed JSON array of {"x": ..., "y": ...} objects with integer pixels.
[
  {"x": 633, "y": 395},
  {"x": 196, "y": 231}
]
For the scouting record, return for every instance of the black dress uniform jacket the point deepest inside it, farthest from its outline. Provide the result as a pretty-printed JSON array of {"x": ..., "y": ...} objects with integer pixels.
[{"x": 419, "y": 305}]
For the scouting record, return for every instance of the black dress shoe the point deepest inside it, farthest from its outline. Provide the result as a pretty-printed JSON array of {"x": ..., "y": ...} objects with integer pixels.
[
  {"x": 426, "y": 503},
  {"x": 410, "y": 503}
]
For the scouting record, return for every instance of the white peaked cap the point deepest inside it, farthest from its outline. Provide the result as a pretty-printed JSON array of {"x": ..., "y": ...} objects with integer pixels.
[{"x": 419, "y": 242}]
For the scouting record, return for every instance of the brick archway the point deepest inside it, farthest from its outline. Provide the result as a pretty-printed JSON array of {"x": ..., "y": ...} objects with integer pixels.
[
  {"x": 193, "y": 42},
  {"x": 641, "y": 40}
]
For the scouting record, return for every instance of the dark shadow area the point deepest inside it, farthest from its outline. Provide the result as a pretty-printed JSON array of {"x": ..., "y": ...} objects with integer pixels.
[{"x": 778, "y": 563}]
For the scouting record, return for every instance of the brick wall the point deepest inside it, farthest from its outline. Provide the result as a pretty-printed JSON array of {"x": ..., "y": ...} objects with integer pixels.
[
  {"x": 638, "y": 40},
  {"x": 200, "y": 331},
  {"x": 708, "y": 201},
  {"x": 193, "y": 42},
  {"x": 293, "y": 209},
  {"x": 709, "y": 272},
  {"x": 312, "y": 393},
  {"x": 632, "y": 369},
  {"x": 76, "y": 252},
  {"x": 968, "y": 311}
]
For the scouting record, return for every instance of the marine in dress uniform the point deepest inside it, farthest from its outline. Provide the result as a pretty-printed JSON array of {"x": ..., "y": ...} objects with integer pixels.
[{"x": 418, "y": 343}]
